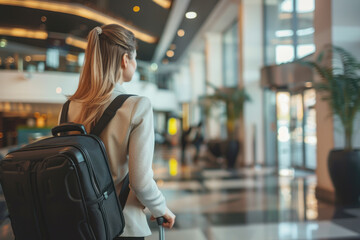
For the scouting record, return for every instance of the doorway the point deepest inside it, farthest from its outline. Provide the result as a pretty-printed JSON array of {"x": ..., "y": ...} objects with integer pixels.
[{"x": 290, "y": 129}]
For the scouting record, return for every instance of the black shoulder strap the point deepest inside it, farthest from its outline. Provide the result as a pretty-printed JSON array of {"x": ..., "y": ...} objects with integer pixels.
[
  {"x": 124, "y": 192},
  {"x": 109, "y": 113},
  {"x": 64, "y": 112}
]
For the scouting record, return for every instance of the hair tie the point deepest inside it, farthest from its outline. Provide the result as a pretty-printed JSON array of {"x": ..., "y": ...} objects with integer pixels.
[{"x": 99, "y": 30}]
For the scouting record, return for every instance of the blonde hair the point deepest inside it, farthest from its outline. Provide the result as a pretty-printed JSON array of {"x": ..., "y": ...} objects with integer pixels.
[{"x": 102, "y": 70}]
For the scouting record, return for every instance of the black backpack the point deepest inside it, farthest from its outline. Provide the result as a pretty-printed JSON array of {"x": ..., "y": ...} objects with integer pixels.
[{"x": 61, "y": 187}]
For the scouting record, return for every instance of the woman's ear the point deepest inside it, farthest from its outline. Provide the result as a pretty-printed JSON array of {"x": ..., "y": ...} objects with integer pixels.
[{"x": 125, "y": 60}]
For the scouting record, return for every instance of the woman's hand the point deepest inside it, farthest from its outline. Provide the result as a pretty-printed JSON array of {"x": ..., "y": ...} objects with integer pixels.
[{"x": 170, "y": 219}]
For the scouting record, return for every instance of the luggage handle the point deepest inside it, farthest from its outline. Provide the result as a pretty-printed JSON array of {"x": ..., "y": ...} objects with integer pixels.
[
  {"x": 67, "y": 127},
  {"x": 160, "y": 221}
]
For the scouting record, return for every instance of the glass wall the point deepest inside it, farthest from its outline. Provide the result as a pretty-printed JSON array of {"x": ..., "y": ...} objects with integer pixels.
[
  {"x": 283, "y": 129},
  {"x": 310, "y": 138},
  {"x": 289, "y": 35},
  {"x": 230, "y": 56},
  {"x": 289, "y": 31},
  {"x": 58, "y": 56}
]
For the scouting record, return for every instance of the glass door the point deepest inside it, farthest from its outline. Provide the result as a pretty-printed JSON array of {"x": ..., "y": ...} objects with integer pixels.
[
  {"x": 270, "y": 127},
  {"x": 310, "y": 139},
  {"x": 296, "y": 130},
  {"x": 283, "y": 127}
]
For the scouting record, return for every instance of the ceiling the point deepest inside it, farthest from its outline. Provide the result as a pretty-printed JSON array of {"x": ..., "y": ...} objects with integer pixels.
[{"x": 153, "y": 20}]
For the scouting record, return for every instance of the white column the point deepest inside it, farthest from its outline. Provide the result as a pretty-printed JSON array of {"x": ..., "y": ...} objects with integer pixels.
[
  {"x": 251, "y": 61},
  {"x": 182, "y": 80},
  {"x": 197, "y": 72},
  {"x": 213, "y": 56}
]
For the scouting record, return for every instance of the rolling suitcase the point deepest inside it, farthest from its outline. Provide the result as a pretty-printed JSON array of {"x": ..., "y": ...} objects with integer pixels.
[{"x": 61, "y": 187}]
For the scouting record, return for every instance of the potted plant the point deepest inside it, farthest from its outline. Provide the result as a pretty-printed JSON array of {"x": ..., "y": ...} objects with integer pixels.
[
  {"x": 233, "y": 99},
  {"x": 340, "y": 87}
]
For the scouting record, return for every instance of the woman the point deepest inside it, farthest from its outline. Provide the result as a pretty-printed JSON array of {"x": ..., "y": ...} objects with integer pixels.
[{"x": 129, "y": 137}]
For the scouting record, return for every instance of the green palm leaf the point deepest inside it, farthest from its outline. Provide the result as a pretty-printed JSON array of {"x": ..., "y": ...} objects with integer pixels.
[{"x": 340, "y": 85}]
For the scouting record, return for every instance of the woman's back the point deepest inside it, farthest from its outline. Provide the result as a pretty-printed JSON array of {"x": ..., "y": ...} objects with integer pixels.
[
  {"x": 129, "y": 140},
  {"x": 110, "y": 60}
]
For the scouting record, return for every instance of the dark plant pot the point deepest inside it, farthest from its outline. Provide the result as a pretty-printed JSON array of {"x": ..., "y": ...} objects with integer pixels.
[
  {"x": 344, "y": 169},
  {"x": 232, "y": 150}
]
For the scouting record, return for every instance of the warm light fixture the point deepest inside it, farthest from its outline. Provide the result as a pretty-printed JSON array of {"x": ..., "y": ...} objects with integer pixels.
[
  {"x": 191, "y": 15},
  {"x": 170, "y": 53},
  {"x": 136, "y": 8},
  {"x": 308, "y": 84},
  {"x": 10, "y": 60},
  {"x": 38, "y": 58},
  {"x": 78, "y": 10},
  {"x": 163, "y": 3},
  {"x": 71, "y": 58},
  {"x": 43, "y": 19},
  {"x": 180, "y": 32},
  {"x": 22, "y": 32},
  {"x": 28, "y": 58},
  {"x": 76, "y": 42}
]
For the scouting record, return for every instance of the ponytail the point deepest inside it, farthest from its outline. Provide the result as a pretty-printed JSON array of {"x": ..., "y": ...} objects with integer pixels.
[{"x": 101, "y": 70}]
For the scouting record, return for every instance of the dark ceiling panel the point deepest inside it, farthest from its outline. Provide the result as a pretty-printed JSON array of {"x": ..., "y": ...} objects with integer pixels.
[
  {"x": 192, "y": 26},
  {"x": 12, "y": 16},
  {"x": 151, "y": 17}
]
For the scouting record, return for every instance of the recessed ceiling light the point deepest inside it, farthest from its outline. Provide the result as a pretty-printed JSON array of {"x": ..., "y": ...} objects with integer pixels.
[
  {"x": 170, "y": 53},
  {"x": 3, "y": 43},
  {"x": 191, "y": 15},
  {"x": 43, "y": 19},
  {"x": 58, "y": 90},
  {"x": 154, "y": 67},
  {"x": 180, "y": 32},
  {"x": 136, "y": 8}
]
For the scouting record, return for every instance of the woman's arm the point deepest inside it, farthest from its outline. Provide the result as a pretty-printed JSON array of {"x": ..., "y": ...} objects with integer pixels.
[{"x": 141, "y": 152}]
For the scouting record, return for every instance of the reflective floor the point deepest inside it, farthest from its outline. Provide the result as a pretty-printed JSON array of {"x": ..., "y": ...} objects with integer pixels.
[{"x": 254, "y": 203}]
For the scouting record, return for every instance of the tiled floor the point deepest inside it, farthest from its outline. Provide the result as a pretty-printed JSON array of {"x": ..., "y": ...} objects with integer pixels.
[{"x": 253, "y": 204}]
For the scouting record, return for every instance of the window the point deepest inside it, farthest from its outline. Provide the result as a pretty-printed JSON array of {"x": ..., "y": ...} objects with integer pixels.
[
  {"x": 230, "y": 56},
  {"x": 289, "y": 30}
]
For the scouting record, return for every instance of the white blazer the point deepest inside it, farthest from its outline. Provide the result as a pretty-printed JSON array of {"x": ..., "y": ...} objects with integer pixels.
[{"x": 129, "y": 141}]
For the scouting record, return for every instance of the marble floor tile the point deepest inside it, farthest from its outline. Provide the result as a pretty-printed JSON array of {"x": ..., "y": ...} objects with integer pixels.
[
  {"x": 217, "y": 184},
  {"x": 283, "y": 231},
  {"x": 173, "y": 234},
  {"x": 176, "y": 185}
]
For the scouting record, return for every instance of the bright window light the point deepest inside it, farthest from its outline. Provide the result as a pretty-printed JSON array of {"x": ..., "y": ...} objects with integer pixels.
[
  {"x": 284, "y": 33},
  {"x": 305, "y": 31},
  {"x": 284, "y": 53},
  {"x": 287, "y": 6},
  {"x": 52, "y": 57},
  {"x": 305, "y": 6},
  {"x": 305, "y": 49}
]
